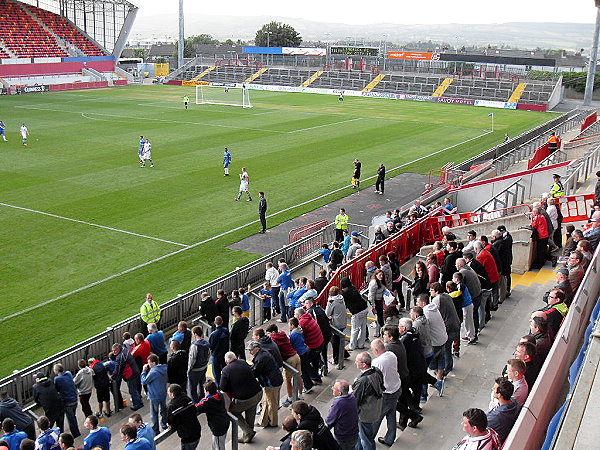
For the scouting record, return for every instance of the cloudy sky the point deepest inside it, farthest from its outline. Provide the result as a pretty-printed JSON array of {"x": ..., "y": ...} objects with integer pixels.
[{"x": 394, "y": 11}]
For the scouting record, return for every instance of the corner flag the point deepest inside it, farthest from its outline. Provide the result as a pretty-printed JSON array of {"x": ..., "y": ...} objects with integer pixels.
[{"x": 491, "y": 115}]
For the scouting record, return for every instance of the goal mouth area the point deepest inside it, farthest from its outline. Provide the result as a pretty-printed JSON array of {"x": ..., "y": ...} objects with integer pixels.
[{"x": 223, "y": 95}]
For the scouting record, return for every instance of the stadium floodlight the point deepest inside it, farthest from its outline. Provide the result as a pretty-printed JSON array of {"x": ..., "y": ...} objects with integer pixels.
[{"x": 223, "y": 95}]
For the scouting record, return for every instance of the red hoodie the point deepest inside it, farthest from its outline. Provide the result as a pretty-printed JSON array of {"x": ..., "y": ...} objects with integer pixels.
[
  {"x": 283, "y": 342},
  {"x": 313, "y": 338}
]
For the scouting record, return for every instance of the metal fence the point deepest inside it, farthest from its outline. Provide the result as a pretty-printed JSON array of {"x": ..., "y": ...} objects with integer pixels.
[
  {"x": 578, "y": 173},
  {"x": 184, "y": 307}
]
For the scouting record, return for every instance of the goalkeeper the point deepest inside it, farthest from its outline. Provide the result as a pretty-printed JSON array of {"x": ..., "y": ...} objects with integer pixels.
[{"x": 186, "y": 101}]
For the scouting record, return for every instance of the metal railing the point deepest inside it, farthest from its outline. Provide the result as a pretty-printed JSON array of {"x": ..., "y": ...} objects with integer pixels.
[
  {"x": 578, "y": 173},
  {"x": 183, "y": 307},
  {"x": 512, "y": 195}
]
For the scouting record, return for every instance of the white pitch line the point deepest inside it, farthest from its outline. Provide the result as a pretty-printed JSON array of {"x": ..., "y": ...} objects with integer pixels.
[
  {"x": 325, "y": 125},
  {"x": 154, "y": 119},
  {"x": 56, "y": 216},
  {"x": 160, "y": 258}
]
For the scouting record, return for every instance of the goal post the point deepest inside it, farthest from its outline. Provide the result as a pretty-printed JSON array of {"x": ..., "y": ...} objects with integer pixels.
[{"x": 223, "y": 95}]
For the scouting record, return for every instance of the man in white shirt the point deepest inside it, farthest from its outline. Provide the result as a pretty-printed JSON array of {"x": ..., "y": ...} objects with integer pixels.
[
  {"x": 24, "y": 133},
  {"x": 271, "y": 275},
  {"x": 387, "y": 362}
]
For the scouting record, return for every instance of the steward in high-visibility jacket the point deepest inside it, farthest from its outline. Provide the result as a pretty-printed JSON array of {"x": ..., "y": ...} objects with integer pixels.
[
  {"x": 557, "y": 189},
  {"x": 553, "y": 143},
  {"x": 150, "y": 311}
]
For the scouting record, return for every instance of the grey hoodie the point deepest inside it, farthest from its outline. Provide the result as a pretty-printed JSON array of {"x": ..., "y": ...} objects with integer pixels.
[
  {"x": 336, "y": 311},
  {"x": 84, "y": 380}
]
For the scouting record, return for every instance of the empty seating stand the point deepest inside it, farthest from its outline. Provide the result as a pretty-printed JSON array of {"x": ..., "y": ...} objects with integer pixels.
[
  {"x": 405, "y": 83},
  {"x": 23, "y": 36},
  {"x": 65, "y": 30}
]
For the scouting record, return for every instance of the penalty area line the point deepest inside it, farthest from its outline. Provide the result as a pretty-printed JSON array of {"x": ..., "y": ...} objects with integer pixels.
[{"x": 225, "y": 233}]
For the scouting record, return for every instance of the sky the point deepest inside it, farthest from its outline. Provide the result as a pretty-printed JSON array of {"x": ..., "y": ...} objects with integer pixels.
[{"x": 389, "y": 11}]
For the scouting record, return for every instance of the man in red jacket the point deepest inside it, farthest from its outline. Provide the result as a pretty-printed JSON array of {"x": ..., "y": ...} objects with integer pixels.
[
  {"x": 541, "y": 234},
  {"x": 489, "y": 264},
  {"x": 313, "y": 338},
  {"x": 289, "y": 355}
]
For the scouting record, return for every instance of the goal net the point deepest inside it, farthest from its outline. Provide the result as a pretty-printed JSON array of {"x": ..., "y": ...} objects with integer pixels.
[{"x": 222, "y": 95}]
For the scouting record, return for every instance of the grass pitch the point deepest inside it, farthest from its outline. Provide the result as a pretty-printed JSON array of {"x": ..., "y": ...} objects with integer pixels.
[{"x": 81, "y": 164}]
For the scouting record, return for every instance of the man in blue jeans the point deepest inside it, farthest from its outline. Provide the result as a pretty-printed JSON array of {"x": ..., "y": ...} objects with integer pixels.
[
  {"x": 154, "y": 377},
  {"x": 68, "y": 393},
  {"x": 127, "y": 369}
]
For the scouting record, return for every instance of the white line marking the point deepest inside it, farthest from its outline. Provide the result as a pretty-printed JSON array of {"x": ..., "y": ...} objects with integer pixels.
[
  {"x": 93, "y": 224},
  {"x": 154, "y": 119},
  {"x": 92, "y": 118},
  {"x": 160, "y": 258},
  {"x": 325, "y": 125}
]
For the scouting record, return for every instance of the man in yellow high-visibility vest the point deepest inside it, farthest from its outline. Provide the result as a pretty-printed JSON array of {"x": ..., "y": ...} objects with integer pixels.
[
  {"x": 149, "y": 312},
  {"x": 341, "y": 224}
]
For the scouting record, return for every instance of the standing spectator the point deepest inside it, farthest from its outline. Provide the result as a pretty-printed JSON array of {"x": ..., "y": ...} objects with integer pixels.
[
  {"x": 309, "y": 419},
  {"x": 177, "y": 365},
  {"x": 238, "y": 382},
  {"x": 479, "y": 436},
  {"x": 285, "y": 283},
  {"x": 84, "y": 382},
  {"x": 143, "y": 430},
  {"x": 208, "y": 308},
  {"x": 321, "y": 280},
  {"x": 130, "y": 438},
  {"x": 46, "y": 395},
  {"x": 222, "y": 305},
  {"x": 502, "y": 418},
  {"x": 289, "y": 356},
  {"x": 439, "y": 337},
  {"x": 324, "y": 324},
  {"x": 68, "y": 392},
  {"x": 12, "y": 435},
  {"x": 271, "y": 275},
  {"x": 380, "y": 183},
  {"x": 213, "y": 405},
  {"x": 267, "y": 373},
  {"x": 336, "y": 313},
  {"x": 183, "y": 335},
  {"x": 313, "y": 337},
  {"x": 10, "y": 408},
  {"x": 387, "y": 362},
  {"x": 267, "y": 296},
  {"x": 507, "y": 259},
  {"x": 597, "y": 188},
  {"x": 245, "y": 302},
  {"x": 197, "y": 363},
  {"x": 343, "y": 415},
  {"x": 48, "y": 438},
  {"x": 154, "y": 378},
  {"x": 238, "y": 332},
  {"x": 262, "y": 212},
  {"x": 368, "y": 389},
  {"x": 126, "y": 369},
  {"x": 449, "y": 266},
  {"x": 218, "y": 342},
  {"x": 295, "y": 295},
  {"x": 266, "y": 343},
  {"x": 341, "y": 224},
  {"x": 182, "y": 417},
  {"x": 99, "y": 437},
  {"x": 451, "y": 322},
  {"x": 157, "y": 342},
  {"x": 489, "y": 263},
  {"x": 141, "y": 351},
  {"x": 297, "y": 341},
  {"x": 337, "y": 257},
  {"x": 375, "y": 294},
  {"x": 540, "y": 238},
  {"x": 357, "y": 306},
  {"x": 149, "y": 312}
]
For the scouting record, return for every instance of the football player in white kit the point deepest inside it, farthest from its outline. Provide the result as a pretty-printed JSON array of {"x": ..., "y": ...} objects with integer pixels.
[
  {"x": 244, "y": 183},
  {"x": 24, "y": 133},
  {"x": 147, "y": 154}
]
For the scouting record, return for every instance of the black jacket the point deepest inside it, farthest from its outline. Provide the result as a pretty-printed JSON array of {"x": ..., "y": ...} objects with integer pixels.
[
  {"x": 353, "y": 300},
  {"x": 414, "y": 353},
  {"x": 222, "y": 305},
  {"x": 265, "y": 369},
  {"x": 46, "y": 395},
  {"x": 322, "y": 437},
  {"x": 319, "y": 314},
  {"x": 177, "y": 368},
  {"x": 208, "y": 310},
  {"x": 482, "y": 274},
  {"x": 320, "y": 283},
  {"x": 266, "y": 343},
  {"x": 10, "y": 408},
  {"x": 239, "y": 331},
  {"x": 216, "y": 415},
  {"x": 238, "y": 381},
  {"x": 449, "y": 266},
  {"x": 182, "y": 417},
  {"x": 398, "y": 349}
]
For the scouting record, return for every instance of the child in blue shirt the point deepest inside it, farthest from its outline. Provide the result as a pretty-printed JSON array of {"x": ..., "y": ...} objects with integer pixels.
[
  {"x": 266, "y": 294},
  {"x": 245, "y": 303},
  {"x": 326, "y": 252}
]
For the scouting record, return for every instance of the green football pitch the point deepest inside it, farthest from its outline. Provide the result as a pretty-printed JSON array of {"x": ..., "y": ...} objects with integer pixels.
[{"x": 78, "y": 214}]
